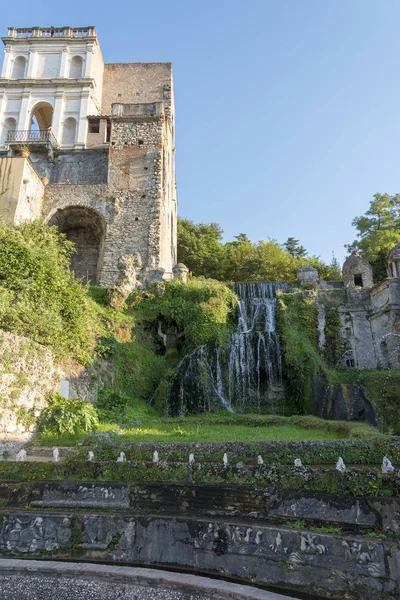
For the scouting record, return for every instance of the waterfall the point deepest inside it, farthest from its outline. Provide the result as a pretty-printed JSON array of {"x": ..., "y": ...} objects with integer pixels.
[{"x": 244, "y": 375}]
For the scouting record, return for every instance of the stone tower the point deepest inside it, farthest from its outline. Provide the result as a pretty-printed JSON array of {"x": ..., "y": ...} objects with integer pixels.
[{"x": 100, "y": 139}]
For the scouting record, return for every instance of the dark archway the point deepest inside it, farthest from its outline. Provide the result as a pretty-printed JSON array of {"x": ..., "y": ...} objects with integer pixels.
[{"x": 84, "y": 227}]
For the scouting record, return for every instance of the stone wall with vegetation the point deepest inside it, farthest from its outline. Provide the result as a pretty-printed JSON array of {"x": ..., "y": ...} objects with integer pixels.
[
  {"x": 333, "y": 546},
  {"x": 28, "y": 372}
]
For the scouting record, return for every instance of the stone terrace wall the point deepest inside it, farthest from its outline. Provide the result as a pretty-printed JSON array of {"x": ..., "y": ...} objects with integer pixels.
[{"x": 28, "y": 371}]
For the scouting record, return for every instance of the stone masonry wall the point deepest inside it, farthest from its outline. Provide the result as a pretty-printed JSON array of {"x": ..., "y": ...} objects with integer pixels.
[
  {"x": 136, "y": 184},
  {"x": 136, "y": 83},
  {"x": 28, "y": 371}
]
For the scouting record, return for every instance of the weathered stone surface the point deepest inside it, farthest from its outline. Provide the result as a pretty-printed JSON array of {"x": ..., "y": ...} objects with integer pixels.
[
  {"x": 355, "y": 511},
  {"x": 341, "y": 402},
  {"x": 86, "y": 494},
  {"x": 84, "y": 167},
  {"x": 308, "y": 275},
  {"x": 28, "y": 533},
  {"x": 357, "y": 272},
  {"x": 328, "y": 565},
  {"x": 28, "y": 373}
]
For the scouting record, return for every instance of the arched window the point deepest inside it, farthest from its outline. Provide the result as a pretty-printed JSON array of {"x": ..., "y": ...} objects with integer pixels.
[
  {"x": 75, "y": 69},
  {"x": 69, "y": 132},
  {"x": 42, "y": 116},
  {"x": 19, "y": 66},
  {"x": 10, "y": 124}
]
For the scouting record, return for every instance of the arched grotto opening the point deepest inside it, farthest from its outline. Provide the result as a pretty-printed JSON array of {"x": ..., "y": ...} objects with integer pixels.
[{"x": 84, "y": 227}]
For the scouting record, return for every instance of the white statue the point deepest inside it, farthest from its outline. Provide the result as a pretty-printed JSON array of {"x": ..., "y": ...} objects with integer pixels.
[
  {"x": 121, "y": 457},
  {"x": 155, "y": 457},
  {"x": 191, "y": 459},
  {"x": 56, "y": 455},
  {"x": 21, "y": 456},
  {"x": 340, "y": 466},
  {"x": 225, "y": 460},
  {"x": 297, "y": 462},
  {"x": 387, "y": 466},
  {"x": 90, "y": 456},
  {"x": 260, "y": 460}
]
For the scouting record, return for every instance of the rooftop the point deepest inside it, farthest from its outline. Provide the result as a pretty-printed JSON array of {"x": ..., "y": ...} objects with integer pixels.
[{"x": 24, "y": 33}]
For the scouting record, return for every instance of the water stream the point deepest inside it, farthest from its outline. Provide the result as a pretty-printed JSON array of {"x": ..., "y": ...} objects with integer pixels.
[{"x": 247, "y": 373}]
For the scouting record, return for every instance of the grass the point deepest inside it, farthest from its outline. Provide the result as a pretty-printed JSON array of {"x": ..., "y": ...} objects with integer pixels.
[{"x": 224, "y": 427}]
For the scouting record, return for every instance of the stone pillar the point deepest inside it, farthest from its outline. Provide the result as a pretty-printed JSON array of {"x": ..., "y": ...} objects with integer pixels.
[
  {"x": 31, "y": 70},
  {"x": 308, "y": 275},
  {"x": 6, "y": 70},
  {"x": 3, "y": 99},
  {"x": 24, "y": 112},
  {"x": 58, "y": 114},
  {"x": 82, "y": 123},
  {"x": 88, "y": 60},
  {"x": 180, "y": 271},
  {"x": 64, "y": 67}
]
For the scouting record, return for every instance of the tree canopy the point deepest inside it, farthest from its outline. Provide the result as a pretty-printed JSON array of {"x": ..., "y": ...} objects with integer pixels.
[
  {"x": 378, "y": 231},
  {"x": 201, "y": 249}
]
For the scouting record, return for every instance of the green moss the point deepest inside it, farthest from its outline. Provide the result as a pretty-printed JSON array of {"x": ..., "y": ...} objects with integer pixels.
[
  {"x": 297, "y": 325},
  {"x": 382, "y": 388}
]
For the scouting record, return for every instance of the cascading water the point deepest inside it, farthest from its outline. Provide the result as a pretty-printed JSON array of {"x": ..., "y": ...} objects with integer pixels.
[{"x": 245, "y": 374}]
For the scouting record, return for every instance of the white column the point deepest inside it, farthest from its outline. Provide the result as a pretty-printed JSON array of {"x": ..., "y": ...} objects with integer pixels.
[
  {"x": 3, "y": 101},
  {"x": 64, "y": 68},
  {"x": 88, "y": 60},
  {"x": 83, "y": 123},
  {"x": 7, "y": 64},
  {"x": 24, "y": 113},
  {"x": 31, "y": 71},
  {"x": 58, "y": 114}
]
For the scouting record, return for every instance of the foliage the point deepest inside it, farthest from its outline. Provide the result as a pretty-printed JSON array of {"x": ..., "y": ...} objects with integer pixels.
[
  {"x": 68, "y": 416},
  {"x": 378, "y": 231},
  {"x": 294, "y": 248},
  {"x": 201, "y": 249},
  {"x": 203, "y": 310},
  {"x": 296, "y": 321},
  {"x": 225, "y": 427},
  {"x": 335, "y": 346},
  {"x": 39, "y": 297}
]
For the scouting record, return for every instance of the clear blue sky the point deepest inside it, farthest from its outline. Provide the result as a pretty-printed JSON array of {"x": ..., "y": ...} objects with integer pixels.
[{"x": 287, "y": 110}]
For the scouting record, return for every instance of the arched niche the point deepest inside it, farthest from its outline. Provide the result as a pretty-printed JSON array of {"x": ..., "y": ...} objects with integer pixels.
[
  {"x": 19, "y": 66},
  {"x": 85, "y": 227},
  {"x": 75, "y": 68},
  {"x": 41, "y": 116},
  {"x": 69, "y": 132},
  {"x": 10, "y": 124}
]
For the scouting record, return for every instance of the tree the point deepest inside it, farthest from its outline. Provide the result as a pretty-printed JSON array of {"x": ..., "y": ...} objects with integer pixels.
[
  {"x": 200, "y": 247},
  {"x": 378, "y": 232},
  {"x": 293, "y": 247}
]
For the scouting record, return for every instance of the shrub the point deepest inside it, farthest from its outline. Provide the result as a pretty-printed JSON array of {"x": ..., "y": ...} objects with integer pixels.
[
  {"x": 39, "y": 296},
  {"x": 202, "y": 309},
  {"x": 68, "y": 416}
]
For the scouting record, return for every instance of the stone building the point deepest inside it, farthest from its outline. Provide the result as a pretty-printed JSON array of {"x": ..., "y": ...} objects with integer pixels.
[
  {"x": 369, "y": 314},
  {"x": 357, "y": 272},
  {"x": 100, "y": 140}
]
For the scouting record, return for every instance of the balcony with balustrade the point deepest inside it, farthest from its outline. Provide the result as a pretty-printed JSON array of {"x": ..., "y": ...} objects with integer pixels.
[
  {"x": 21, "y": 140},
  {"x": 23, "y": 33}
]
